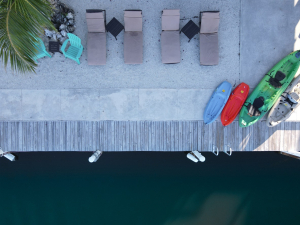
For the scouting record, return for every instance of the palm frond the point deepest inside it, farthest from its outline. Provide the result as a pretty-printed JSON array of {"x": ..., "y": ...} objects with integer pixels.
[{"x": 21, "y": 23}]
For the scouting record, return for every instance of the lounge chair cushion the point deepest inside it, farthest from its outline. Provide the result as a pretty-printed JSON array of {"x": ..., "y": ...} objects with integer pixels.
[
  {"x": 133, "y": 20},
  {"x": 95, "y": 22},
  {"x": 170, "y": 19},
  {"x": 209, "y": 49},
  {"x": 133, "y": 47},
  {"x": 170, "y": 47},
  {"x": 96, "y": 48},
  {"x": 210, "y": 22}
]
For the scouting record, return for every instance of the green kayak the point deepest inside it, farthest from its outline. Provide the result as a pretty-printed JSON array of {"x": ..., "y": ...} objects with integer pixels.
[{"x": 269, "y": 89}]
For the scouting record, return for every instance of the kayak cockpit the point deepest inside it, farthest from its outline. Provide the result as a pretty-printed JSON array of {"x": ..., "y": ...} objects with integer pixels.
[
  {"x": 253, "y": 109},
  {"x": 275, "y": 81},
  {"x": 292, "y": 99}
]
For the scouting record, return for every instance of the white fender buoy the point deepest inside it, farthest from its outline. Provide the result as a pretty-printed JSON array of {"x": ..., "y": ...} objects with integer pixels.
[
  {"x": 7, "y": 155},
  {"x": 195, "y": 156},
  {"x": 199, "y": 156},
  {"x": 192, "y": 157},
  {"x": 95, "y": 156}
]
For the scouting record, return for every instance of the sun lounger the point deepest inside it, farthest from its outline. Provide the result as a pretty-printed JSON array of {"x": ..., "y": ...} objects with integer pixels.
[
  {"x": 170, "y": 38},
  {"x": 209, "y": 46},
  {"x": 133, "y": 37},
  {"x": 96, "y": 39}
]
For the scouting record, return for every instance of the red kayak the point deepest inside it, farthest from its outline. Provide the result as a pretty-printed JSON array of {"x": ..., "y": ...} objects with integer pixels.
[{"x": 234, "y": 103}]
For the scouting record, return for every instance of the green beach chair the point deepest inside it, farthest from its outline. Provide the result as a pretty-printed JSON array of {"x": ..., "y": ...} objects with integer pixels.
[
  {"x": 41, "y": 50},
  {"x": 75, "y": 49}
]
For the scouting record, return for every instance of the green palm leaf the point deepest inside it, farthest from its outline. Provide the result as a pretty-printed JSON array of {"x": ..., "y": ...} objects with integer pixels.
[{"x": 21, "y": 22}]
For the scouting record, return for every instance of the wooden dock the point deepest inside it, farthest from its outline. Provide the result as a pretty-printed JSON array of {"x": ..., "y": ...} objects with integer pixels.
[{"x": 146, "y": 136}]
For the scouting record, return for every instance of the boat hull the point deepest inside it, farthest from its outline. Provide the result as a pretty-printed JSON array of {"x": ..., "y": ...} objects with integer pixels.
[
  {"x": 282, "y": 109},
  {"x": 289, "y": 66},
  {"x": 217, "y": 102},
  {"x": 234, "y": 103}
]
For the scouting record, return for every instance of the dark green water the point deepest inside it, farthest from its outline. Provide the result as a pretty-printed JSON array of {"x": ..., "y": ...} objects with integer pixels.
[{"x": 150, "y": 188}]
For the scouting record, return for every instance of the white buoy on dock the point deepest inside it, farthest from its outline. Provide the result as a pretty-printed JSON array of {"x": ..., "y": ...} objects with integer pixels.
[
  {"x": 7, "y": 155},
  {"x": 95, "y": 156},
  {"x": 195, "y": 156}
]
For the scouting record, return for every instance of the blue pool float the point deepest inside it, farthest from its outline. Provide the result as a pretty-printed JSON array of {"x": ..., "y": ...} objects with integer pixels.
[{"x": 217, "y": 102}]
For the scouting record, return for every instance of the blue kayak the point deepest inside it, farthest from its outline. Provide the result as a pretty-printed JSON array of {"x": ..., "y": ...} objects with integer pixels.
[{"x": 217, "y": 102}]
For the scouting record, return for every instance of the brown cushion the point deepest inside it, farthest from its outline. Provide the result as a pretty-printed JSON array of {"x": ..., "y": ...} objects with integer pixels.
[
  {"x": 95, "y": 22},
  {"x": 133, "y": 20},
  {"x": 170, "y": 19},
  {"x": 133, "y": 47},
  {"x": 209, "y": 49},
  {"x": 170, "y": 47},
  {"x": 96, "y": 48},
  {"x": 210, "y": 22}
]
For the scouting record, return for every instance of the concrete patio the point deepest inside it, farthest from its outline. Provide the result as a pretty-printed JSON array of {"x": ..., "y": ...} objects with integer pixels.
[{"x": 253, "y": 36}]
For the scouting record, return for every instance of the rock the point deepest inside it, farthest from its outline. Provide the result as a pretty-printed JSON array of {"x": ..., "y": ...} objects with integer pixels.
[
  {"x": 72, "y": 11},
  {"x": 71, "y": 29},
  {"x": 63, "y": 8},
  {"x": 70, "y": 16},
  {"x": 56, "y": 25},
  {"x": 70, "y": 22},
  {"x": 48, "y": 33},
  {"x": 62, "y": 27},
  {"x": 63, "y": 19},
  {"x": 63, "y": 33},
  {"x": 58, "y": 18},
  {"x": 62, "y": 39},
  {"x": 53, "y": 2},
  {"x": 54, "y": 38},
  {"x": 58, "y": 35}
]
